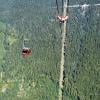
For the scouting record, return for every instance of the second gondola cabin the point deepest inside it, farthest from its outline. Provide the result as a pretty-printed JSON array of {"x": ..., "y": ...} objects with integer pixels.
[{"x": 26, "y": 52}]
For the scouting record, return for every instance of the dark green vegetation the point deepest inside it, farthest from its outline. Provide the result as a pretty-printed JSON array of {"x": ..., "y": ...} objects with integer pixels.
[
  {"x": 36, "y": 77},
  {"x": 82, "y": 66}
]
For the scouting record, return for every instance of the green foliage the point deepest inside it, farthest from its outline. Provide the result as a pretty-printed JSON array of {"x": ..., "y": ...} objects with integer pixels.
[
  {"x": 2, "y": 50},
  {"x": 37, "y": 77},
  {"x": 2, "y": 26},
  {"x": 82, "y": 56},
  {"x": 34, "y": 77}
]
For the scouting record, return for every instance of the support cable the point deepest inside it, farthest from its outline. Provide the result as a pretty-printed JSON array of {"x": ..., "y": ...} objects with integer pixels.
[{"x": 57, "y": 6}]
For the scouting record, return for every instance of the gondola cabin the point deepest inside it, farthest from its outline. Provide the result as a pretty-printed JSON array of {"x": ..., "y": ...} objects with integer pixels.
[
  {"x": 62, "y": 18},
  {"x": 26, "y": 52}
]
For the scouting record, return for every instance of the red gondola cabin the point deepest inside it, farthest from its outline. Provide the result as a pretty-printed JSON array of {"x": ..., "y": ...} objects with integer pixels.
[{"x": 26, "y": 52}]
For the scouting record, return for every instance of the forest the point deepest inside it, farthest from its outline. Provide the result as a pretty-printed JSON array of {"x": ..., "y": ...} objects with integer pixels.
[{"x": 37, "y": 76}]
